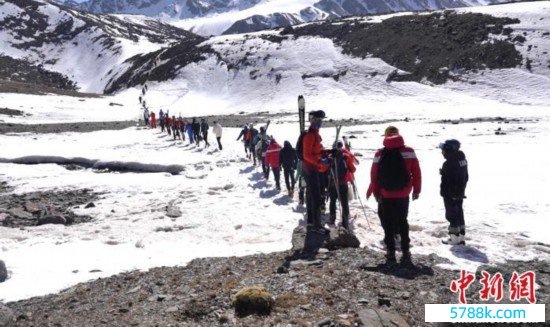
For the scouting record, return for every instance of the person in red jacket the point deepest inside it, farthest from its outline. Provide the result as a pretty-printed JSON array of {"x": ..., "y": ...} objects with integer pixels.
[
  {"x": 168, "y": 123},
  {"x": 342, "y": 169},
  {"x": 395, "y": 172},
  {"x": 315, "y": 162},
  {"x": 153, "y": 120},
  {"x": 272, "y": 160}
]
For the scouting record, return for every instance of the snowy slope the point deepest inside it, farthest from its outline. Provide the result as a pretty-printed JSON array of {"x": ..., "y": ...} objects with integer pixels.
[{"x": 84, "y": 47}]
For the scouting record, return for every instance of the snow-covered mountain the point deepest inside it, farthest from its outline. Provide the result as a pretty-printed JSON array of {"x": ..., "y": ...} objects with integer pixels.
[
  {"x": 84, "y": 47},
  {"x": 162, "y": 8},
  {"x": 214, "y": 17}
]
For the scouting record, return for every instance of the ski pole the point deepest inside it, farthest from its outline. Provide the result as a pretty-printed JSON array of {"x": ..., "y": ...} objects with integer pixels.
[{"x": 362, "y": 206}]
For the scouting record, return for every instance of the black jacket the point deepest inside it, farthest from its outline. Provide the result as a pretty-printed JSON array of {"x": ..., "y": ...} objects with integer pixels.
[
  {"x": 287, "y": 157},
  {"x": 204, "y": 127},
  {"x": 454, "y": 175}
]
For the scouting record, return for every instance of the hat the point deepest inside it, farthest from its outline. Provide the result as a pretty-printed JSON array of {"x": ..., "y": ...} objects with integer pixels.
[
  {"x": 391, "y": 130},
  {"x": 450, "y": 145},
  {"x": 317, "y": 114},
  {"x": 339, "y": 144}
]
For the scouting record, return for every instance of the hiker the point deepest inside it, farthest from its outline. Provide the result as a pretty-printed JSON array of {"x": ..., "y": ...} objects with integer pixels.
[
  {"x": 395, "y": 172},
  {"x": 153, "y": 120},
  {"x": 261, "y": 149},
  {"x": 161, "y": 121},
  {"x": 454, "y": 177},
  {"x": 217, "y": 129},
  {"x": 196, "y": 131},
  {"x": 204, "y": 132},
  {"x": 288, "y": 160},
  {"x": 315, "y": 162},
  {"x": 189, "y": 129},
  {"x": 246, "y": 139},
  {"x": 253, "y": 138},
  {"x": 341, "y": 166},
  {"x": 146, "y": 116},
  {"x": 272, "y": 161},
  {"x": 181, "y": 124},
  {"x": 168, "y": 124},
  {"x": 176, "y": 127}
]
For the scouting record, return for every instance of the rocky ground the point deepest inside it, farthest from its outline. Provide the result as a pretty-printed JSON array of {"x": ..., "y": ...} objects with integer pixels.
[
  {"x": 39, "y": 208},
  {"x": 339, "y": 287},
  {"x": 426, "y": 46},
  {"x": 21, "y": 71}
]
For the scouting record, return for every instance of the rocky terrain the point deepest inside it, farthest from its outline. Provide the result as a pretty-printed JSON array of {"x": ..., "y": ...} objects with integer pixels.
[
  {"x": 40, "y": 208},
  {"x": 21, "y": 71},
  {"x": 312, "y": 287},
  {"x": 436, "y": 47}
]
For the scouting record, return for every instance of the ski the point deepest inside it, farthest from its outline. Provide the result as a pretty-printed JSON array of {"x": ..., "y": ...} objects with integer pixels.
[
  {"x": 338, "y": 128},
  {"x": 302, "y": 113},
  {"x": 267, "y": 125}
]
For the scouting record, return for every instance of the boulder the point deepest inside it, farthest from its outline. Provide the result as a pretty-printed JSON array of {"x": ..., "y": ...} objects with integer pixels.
[
  {"x": 20, "y": 213},
  {"x": 7, "y": 318},
  {"x": 381, "y": 318},
  {"x": 341, "y": 238},
  {"x": 252, "y": 300},
  {"x": 54, "y": 219},
  {"x": 173, "y": 211},
  {"x": 3, "y": 272}
]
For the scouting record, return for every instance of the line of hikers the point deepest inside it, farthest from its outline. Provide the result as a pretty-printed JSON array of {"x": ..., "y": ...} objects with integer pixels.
[
  {"x": 180, "y": 127},
  {"x": 328, "y": 173}
]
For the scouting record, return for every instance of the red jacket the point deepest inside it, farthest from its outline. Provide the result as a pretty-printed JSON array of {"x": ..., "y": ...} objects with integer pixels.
[
  {"x": 312, "y": 151},
  {"x": 350, "y": 161},
  {"x": 272, "y": 155},
  {"x": 411, "y": 163}
]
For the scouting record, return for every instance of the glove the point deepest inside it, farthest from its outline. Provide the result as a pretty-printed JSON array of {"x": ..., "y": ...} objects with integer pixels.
[{"x": 415, "y": 196}]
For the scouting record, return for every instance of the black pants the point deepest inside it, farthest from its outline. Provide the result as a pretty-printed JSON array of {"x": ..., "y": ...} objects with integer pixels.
[
  {"x": 265, "y": 168},
  {"x": 219, "y": 142},
  {"x": 301, "y": 190},
  {"x": 277, "y": 174},
  {"x": 313, "y": 198},
  {"x": 253, "y": 152},
  {"x": 289, "y": 177},
  {"x": 205, "y": 138},
  {"x": 146, "y": 121},
  {"x": 393, "y": 214},
  {"x": 454, "y": 215},
  {"x": 343, "y": 189},
  {"x": 162, "y": 127}
]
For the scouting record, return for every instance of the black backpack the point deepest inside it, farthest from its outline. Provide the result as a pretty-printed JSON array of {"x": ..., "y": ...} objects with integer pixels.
[
  {"x": 392, "y": 172},
  {"x": 340, "y": 167},
  {"x": 299, "y": 146}
]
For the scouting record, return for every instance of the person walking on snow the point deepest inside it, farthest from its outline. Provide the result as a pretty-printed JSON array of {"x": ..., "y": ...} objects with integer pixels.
[
  {"x": 196, "y": 131},
  {"x": 244, "y": 134},
  {"x": 341, "y": 169},
  {"x": 289, "y": 161},
  {"x": 175, "y": 127},
  {"x": 395, "y": 172},
  {"x": 161, "y": 121},
  {"x": 190, "y": 135},
  {"x": 261, "y": 149},
  {"x": 314, "y": 164},
  {"x": 217, "y": 129},
  {"x": 272, "y": 161},
  {"x": 204, "y": 132},
  {"x": 454, "y": 177},
  {"x": 153, "y": 120},
  {"x": 253, "y": 138},
  {"x": 146, "y": 116}
]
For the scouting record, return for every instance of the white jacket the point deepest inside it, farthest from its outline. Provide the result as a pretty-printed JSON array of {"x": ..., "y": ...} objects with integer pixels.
[{"x": 217, "y": 129}]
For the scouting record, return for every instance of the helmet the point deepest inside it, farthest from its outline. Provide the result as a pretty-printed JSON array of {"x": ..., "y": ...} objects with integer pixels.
[{"x": 450, "y": 145}]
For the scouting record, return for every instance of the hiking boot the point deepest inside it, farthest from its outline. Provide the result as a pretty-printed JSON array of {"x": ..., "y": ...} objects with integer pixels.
[
  {"x": 452, "y": 240},
  {"x": 390, "y": 255},
  {"x": 462, "y": 239},
  {"x": 406, "y": 256}
]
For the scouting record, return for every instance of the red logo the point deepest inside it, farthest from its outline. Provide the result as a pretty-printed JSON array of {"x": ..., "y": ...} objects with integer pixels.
[{"x": 520, "y": 286}]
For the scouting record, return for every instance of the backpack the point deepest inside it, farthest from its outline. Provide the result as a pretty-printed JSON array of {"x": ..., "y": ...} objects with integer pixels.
[
  {"x": 340, "y": 167},
  {"x": 392, "y": 172},
  {"x": 299, "y": 146}
]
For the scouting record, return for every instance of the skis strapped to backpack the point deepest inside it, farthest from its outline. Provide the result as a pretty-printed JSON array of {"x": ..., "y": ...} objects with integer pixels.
[
  {"x": 338, "y": 128},
  {"x": 334, "y": 172},
  {"x": 302, "y": 113}
]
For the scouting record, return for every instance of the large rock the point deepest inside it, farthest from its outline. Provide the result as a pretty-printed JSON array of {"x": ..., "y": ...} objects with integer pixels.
[
  {"x": 341, "y": 238},
  {"x": 3, "y": 272},
  {"x": 306, "y": 242},
  {"x": 7, "y": 318},
  {"x": 20, "y": 213},
  {"x": 381, "y": 318},
  {"x": 252, "y": 300},
  {"x": 172, "y": 211},
  {"x": 54, "y": 219}
]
